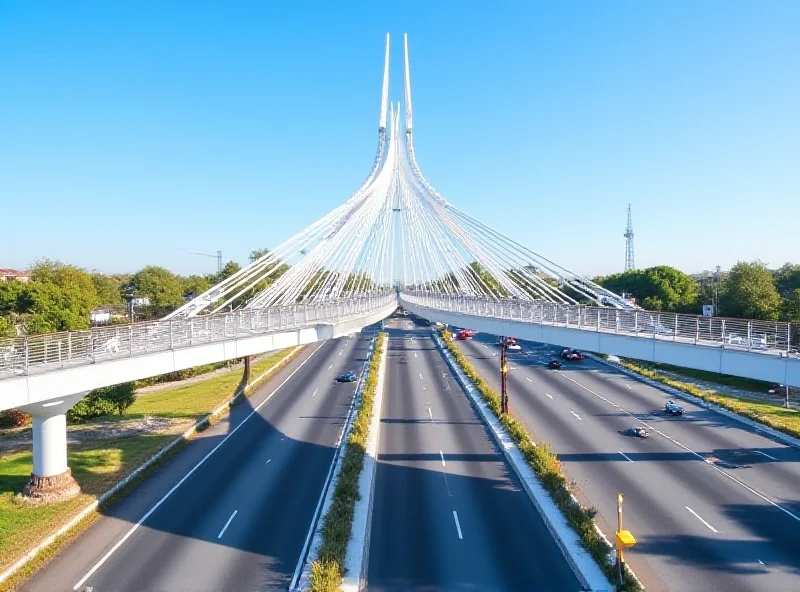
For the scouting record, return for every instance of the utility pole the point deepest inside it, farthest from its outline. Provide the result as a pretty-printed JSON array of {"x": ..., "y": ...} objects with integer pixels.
[
  {"x": 503, "y": 380},
  {"x": 629, "y": 266}
]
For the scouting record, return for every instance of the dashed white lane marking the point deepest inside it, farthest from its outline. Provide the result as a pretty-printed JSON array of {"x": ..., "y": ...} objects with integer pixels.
[
  {"x": 415, "y": 354},
  {"x": 625, "y": 456},
  {"x": 430, "y": 413},
  {"x": 442, "y": 455},
  {"x": 227, "y": 524},
  {"x": 629, "y": 386},
  {"x": 764, "y": 454},
  {"x": 689, "y": 450},
  {"x": 331, "y": 366},
  {"x": 528, "y": 379},
  {"x": 578, "y": 417},
  {"x": 761, "y": 562},
  {"x": 420, "y": 375},
  {"x": 549, "y": 395},
  {"x": 696, "y": 515},
  {"x": 315, "y": 391},
  {"x": 341, "y": 352},
  {"x": 149, "y": 513},
  {"x": 458, "y": 525},
  {"x": 269, "y": 460}
]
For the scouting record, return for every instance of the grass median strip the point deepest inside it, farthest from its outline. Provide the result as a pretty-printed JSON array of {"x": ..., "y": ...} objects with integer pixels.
[
  {"x": 779, "y": 418},
  {"x": 327, "y": 570},
  {"x": 548, "y": 470},
  {"x": 98, "y": 465}
]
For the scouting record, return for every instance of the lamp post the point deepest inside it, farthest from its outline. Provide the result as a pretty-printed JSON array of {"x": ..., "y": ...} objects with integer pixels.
[
  {"x": 503, "y": 379},
  {"x": 624, "y": 539}
]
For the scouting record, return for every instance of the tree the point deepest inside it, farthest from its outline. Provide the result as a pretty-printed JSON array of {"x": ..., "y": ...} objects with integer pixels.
[
  {"x": 750, "y": 293},
  {"x": 121, "y": 396},
  {"x": 792, "y": 308},
  {"x": 102, "y": 402},
  {"x": 59, "y": 297},
  {"x": 109, "y": 289},
  {"x": 195, "y": 285},
  {"x": 227, "y": 271},
  {"x": 787, "y": 279},
  {"x": 257, "y": 254},
  {"x": 7, "y": 328},
  {"x": 656, "y": 288},
  {"x": 163, "y": 288}
]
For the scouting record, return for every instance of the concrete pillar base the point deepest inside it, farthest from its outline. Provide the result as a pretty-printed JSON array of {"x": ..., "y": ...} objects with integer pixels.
[{"x": 52, "y": 489}]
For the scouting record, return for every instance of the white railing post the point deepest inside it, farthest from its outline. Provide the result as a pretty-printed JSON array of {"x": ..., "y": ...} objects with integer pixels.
[
  {"x": 749, "y": 335},
  {"x": 723, "y": 332},
  {"x": 130, "y": 340},
  {"x": 27, "y": 355},
  {"x": 171, "y": 336},
  {"x": 697, "y": 330}
]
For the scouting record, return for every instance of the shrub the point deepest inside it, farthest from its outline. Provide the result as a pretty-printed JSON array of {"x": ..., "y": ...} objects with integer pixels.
[
  {"x": 327, "y": 570},
  {"x": 14, "y": 418},
  {"x": 103, "y": 401}
]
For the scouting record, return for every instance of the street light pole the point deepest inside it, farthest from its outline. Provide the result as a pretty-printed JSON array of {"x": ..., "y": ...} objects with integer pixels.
[{"x": 503, "y": 380}]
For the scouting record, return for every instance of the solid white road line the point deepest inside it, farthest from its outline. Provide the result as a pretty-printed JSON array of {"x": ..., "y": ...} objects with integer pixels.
[
  {"x": 576, "y": 415},
  {"x": 442, "y": 455},
  {"x": 315, "y": 391},
  {"x": 625, "y": 457},
  {"x": 696, "y": 515},
  {"x": 689, "y": 450},
  {"x": 764, "y": 454},
  {"x": 430, "y": 413},
  {"x": 187, "y": 475},
  {"x": 227, "y": 524},
  {"x": 549, "y": 395},
  {"x": 458, "y": 526}
]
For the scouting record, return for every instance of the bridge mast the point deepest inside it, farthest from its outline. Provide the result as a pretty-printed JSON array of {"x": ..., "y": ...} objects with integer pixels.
[{"x": 385, "y": 94}]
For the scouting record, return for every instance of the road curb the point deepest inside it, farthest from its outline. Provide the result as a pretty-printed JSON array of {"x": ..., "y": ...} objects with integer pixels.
[
  {"x": 200, "y": 423},
  {"x": 758, "y": 427},
  {"x": 581, "y": 562},
  {"x": 311, "y": 551}
]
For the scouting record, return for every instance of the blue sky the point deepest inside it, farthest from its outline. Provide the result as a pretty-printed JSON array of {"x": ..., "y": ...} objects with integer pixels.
[{"x": 131, "y": 130}]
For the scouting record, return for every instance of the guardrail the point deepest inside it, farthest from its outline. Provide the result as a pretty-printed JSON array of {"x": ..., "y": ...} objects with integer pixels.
[
  {"x": 765, "y": 337},
  {"x": 41, "y": 353}
]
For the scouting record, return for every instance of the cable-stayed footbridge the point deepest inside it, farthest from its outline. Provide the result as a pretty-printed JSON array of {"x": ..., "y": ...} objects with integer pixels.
[{"x": 395, "y": 242}]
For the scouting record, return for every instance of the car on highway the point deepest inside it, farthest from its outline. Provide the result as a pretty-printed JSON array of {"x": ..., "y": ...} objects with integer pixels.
[
  {"x": 673, "y": 408},
  {"x": 464, "y": 334},
  {"x": 572, "y": 355},
  {"x": 554, "y": 365},
  {"x": 515, "y": 347},
  {"x": 639, "y": 432},
  {"x": 348, "y": 377}
]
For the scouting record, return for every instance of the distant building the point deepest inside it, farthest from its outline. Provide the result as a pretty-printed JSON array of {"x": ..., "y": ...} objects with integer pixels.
[
  {"x": 14, "y": 275},
  {"x": 100, "y": 317}
]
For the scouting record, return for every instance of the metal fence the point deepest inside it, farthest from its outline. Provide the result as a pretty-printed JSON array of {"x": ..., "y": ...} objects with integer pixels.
[
  {"x": 767, "y": 337},
  {"x": 41, "y": 353}
]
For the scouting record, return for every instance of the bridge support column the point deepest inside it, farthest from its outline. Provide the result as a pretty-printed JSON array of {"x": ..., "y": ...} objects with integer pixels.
[{"x": 51, "y": 479}]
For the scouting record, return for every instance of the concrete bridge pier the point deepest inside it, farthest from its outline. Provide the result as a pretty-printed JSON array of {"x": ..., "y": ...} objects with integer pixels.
[{"x": 51, "y": 479}]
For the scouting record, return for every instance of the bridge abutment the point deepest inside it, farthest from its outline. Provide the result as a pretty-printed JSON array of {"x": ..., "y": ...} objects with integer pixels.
[{"x": 51, "y": 479}]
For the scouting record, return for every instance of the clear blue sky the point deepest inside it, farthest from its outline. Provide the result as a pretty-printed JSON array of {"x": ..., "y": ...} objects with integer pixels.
[{"x": 129, "y": 130}]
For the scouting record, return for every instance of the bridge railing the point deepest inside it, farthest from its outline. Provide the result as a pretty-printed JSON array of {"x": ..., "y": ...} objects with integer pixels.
[
  {"x": 766, "y": 337},
  {"x": 40, "y": 353}
]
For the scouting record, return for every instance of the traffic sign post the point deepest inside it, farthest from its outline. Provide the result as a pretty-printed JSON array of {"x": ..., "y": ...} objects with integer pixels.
[{"x": 624, "y": 539}]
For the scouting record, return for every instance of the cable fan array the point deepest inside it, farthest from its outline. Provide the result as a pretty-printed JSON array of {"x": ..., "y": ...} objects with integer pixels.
[{"x": 397, "y": 233}]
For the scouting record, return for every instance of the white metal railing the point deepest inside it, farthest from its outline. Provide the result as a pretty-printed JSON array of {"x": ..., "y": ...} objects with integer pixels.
[
  {"x": 52, "y": 351},
  {"x": 766, "y": 337}
]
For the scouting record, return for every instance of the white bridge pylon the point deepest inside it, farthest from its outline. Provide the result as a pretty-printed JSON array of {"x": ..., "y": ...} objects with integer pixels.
[{"x": 397, "y": 233}]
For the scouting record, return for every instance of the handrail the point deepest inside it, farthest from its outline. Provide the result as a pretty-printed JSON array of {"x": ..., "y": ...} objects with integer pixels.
[
  {"x": 763, "y": 337},
  {"x": 53, "y": 351}
]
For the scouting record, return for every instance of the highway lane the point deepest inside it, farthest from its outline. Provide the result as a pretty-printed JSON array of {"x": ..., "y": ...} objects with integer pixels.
[
  {"x": 240, "y": 520},
  {"x": 699, "y": 524},
  {"x": 448, "y": 512}
]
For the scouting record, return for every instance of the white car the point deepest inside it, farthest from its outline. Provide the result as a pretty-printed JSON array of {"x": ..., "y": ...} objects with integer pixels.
[
  {"x": 673, "y": 408},
  {"x": 514, "y": 347}
]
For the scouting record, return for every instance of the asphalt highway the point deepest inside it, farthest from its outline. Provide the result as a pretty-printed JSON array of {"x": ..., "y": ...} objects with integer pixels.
[
  {"x": 713, "y": 505},
  {"x": 232, "y": 510},
  {"x": 448, "y": 512}
]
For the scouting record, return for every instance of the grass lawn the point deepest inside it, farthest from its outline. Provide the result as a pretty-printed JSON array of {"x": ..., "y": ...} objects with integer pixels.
[
  {"x": 780, "y": 418},
  {"x": 98, "y": 465},
  {"x": 195, "y": 400},
  {"x": 748, "y": 384}
]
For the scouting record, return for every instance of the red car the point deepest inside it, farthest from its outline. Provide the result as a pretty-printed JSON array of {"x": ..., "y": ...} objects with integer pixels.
[
  {"x": 572, "y": 355},
  {"x": 464, "y": 334}
]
